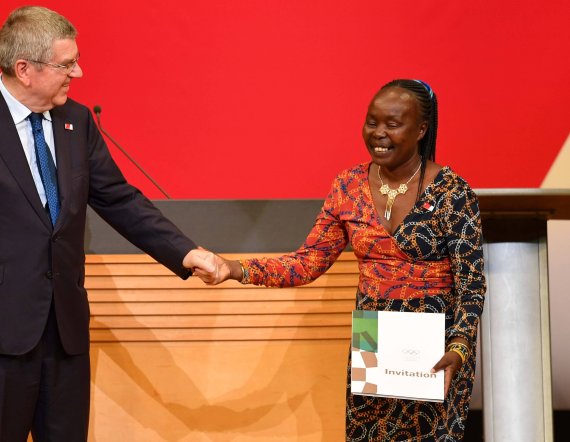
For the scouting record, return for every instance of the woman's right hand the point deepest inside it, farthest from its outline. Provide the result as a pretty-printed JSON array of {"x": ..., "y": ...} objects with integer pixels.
[{"x": 450, "y": 363}]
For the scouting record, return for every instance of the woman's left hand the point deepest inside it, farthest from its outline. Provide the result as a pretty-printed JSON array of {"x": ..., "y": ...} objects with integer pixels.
[{"x": 450, "y": 363}]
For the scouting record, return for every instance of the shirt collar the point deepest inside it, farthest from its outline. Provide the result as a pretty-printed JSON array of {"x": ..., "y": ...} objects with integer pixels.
[{"x": 18, "y": 111}]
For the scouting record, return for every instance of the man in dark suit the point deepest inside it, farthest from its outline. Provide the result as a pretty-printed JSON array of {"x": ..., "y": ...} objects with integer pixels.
[{"x": 53, "y": 162}]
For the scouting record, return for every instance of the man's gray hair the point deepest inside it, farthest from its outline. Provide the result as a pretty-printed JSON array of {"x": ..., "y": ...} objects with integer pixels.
[{"x": 29, "y": 33}]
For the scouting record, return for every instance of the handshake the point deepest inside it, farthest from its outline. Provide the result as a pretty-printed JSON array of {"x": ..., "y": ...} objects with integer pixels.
[{"x": 212, "y": 268}]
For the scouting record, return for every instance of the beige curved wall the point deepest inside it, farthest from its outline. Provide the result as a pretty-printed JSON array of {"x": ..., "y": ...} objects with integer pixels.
[
  {"x": 558, "y": 267},
  {"x": 558, "y": 177},
  {"x": 558, "y": 261}
]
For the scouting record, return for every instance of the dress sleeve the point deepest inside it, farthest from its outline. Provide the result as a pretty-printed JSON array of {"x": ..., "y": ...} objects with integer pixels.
[
  {"x": 326, "y": 240},
  {"x": 465, "y": 246}
]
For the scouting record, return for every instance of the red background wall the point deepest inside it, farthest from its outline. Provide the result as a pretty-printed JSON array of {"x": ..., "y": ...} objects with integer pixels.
[{"x": 265, "y": 99}]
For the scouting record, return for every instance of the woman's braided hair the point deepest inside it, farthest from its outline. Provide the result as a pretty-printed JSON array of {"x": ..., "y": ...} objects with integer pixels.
[{"x": 428, "y": 108}]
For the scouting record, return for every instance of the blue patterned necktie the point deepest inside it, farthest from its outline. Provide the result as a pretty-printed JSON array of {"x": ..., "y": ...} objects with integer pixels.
[{"x": 46, "y": 166}]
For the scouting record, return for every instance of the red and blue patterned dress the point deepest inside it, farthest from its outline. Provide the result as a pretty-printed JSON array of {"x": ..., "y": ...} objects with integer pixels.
[{"x": 433, "y": 262}]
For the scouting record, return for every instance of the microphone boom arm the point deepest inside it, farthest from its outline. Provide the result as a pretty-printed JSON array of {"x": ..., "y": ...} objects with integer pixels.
[{"x": 97, "y": 110}]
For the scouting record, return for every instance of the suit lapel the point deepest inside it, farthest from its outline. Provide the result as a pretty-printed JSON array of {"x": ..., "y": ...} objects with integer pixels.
[
  {"x": 62, "y": 138},
  {"x": 12, "y": 153}
]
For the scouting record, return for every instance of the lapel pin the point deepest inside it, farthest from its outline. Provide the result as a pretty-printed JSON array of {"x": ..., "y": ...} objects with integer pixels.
[
  {"x": 68, "y": 126},
  {"x": 428, "y": 207}
]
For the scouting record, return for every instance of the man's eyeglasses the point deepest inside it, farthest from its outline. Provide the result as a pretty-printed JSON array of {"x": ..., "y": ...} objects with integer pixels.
[{"x": 66, "y": 68}]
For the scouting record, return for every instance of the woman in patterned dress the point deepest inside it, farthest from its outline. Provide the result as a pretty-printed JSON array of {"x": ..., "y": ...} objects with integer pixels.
[{"x": 416, "y": 231}]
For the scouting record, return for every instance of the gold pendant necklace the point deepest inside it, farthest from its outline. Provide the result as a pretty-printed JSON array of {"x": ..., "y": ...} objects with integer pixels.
[{"x": 393, "y": 193}]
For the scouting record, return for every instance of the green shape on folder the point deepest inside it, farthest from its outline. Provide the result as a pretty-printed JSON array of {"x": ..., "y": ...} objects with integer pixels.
[{"x": 365, "y": 330}]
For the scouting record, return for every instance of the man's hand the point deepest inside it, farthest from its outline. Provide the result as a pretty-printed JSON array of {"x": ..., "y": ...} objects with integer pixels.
[
  {"x": 200, "y": 260},
  {"x": 211, "y": 268}
]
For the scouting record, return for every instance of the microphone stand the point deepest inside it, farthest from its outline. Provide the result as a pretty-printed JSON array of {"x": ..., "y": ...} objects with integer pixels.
[{"x": 97, "y": 110}]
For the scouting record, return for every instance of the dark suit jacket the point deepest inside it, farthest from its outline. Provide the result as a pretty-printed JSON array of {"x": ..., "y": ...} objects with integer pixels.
[{"x": 37, "y": 260}]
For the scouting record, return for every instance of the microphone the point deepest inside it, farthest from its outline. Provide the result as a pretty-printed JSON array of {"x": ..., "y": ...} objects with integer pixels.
[{"x": 97, "y": 110}]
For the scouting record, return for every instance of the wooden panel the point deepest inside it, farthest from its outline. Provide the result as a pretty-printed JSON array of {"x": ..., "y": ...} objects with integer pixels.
[
  {"x": 135, "y": 299},
  {"x": 223, "y": 321},
  {"x": 220, "y": 334},
  {"x": 154, "y": 268},
  {"x": 219, "y": 308},
  {"x": 222, "y": 293},
  {"x": 239, "y": 391},
  {"x": 174, "y": 282}
]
